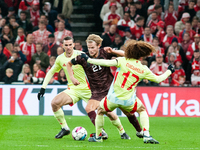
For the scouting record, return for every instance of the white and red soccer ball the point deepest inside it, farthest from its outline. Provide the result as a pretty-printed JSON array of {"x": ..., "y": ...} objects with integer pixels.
[{"x": 79, "y": 133}]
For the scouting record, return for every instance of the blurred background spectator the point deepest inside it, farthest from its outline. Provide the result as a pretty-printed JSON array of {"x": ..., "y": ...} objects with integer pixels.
[
  {"x": 51, "y": 47},
  {"x": 40, "y": 58},
  {"x": 25, "y": 75},
  {"x": 15, "y": 64},
  {"x": 8, "y": 79},
  {"x": 62, "y": 77},
  {"x": 171, "y": 26}
]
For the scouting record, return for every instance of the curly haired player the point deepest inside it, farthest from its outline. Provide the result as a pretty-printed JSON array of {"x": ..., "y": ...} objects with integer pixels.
[{"x": 122, "y": 92}]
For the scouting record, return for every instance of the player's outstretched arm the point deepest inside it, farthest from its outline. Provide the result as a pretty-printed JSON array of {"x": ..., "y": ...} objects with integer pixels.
[
  {"x": 103, "y": 62},
  {"x": 70, "y": 72},
  {"x": 152, "y": 77},
  {"x": 115, "y": 52}
]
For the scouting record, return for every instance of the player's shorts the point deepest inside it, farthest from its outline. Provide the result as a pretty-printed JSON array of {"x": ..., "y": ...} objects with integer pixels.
[
  {"x": 98, "y": 96},
  {"x": 110, "y": 106},
  {"x": 77, "y": 94}
]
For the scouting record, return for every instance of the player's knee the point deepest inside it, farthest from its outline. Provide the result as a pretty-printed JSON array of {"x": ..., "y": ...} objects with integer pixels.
[
  {"x": 142, "y": 108},
  {"x": 55, "y": 105},
  {"x": 88, "y": 109},
  {"x": 101, "y": 111}
]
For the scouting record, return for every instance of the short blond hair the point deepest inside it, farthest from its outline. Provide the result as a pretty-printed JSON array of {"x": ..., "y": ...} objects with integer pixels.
[
  {"x": 9, "y": 70},
  {"x": 94, "y": 38}
]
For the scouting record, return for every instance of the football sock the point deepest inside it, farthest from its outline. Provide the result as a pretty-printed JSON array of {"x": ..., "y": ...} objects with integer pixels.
[
  {"x": 117, "y": 123},
  {"x": 59, "y": 115},
  {"x": 144, "y": 119},
  {"x": 146, "y": 133},
  {"x": 99, "y": 122},
  {"x": 92, "y": 116},
  {"x": 133, "y": 120}
]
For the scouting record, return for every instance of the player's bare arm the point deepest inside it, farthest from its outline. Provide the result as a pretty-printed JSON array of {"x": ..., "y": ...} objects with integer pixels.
[
  {"x": 113, "y": 51},
  {"x": 70, "y": 71}
]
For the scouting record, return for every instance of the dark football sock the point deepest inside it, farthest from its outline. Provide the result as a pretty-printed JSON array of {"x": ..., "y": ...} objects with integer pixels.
[
  {"x": 92, "y": 116},
  {"x": 133, "y": 120}
]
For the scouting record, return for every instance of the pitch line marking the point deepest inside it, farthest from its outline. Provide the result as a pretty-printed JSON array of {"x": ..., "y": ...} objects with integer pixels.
[{"x": 100, "y": 146}]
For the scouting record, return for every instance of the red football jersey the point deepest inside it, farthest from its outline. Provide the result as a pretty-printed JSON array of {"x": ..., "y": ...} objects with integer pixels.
[
  {"x": 192, "y": 47},
  {"x": 178, "y": 73},
  {"x": 137, "y": 31},
  {"x": 159, "y": 69},
  {"x": 167, "y": 41},
  {"x": 28, "y": 50},
  {"x": 191, "y": 32},
  {"x": 196, "y": 8},
  {"x": 170, "y": 18},
  {"x": 153, "y": 24},
  {"x": 109, "y": 16},
  {"x": 40, "y": 74},
  {"x": 160, "y": 34}
]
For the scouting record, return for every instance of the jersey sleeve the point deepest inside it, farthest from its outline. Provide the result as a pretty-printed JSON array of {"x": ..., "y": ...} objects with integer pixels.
[
  {"x": 78, "y": 60},
  {"x": 119, "y": 23},
  {"x": 119, "y": 62},
  {"x": 55, "y": 68},
  {"x": 105, "y": 18},
  {"x": 103, "y": 62},
  {"x": 154, "y": 78}
]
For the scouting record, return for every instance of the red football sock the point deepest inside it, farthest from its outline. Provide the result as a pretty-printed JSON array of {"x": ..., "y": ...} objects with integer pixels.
[
  {"x": 92, "y": 116},
  {"x": 133, "y": 120}
]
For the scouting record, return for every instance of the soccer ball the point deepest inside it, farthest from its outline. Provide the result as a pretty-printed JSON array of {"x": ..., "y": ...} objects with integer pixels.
[{"x": 79, "y": 133}]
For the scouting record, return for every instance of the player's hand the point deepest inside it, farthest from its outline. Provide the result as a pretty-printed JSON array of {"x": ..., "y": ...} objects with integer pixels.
[
  {"x": 108, "y": 49},
  {"x": 41, "y": 93},
  {"x": 75, "y": 81},
  {"x": 171, "y": 68},
  {"x": 83, "y": 55}
]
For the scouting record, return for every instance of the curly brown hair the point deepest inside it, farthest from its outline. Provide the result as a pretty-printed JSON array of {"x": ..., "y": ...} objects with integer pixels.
[{"x": 137, "y": 49}]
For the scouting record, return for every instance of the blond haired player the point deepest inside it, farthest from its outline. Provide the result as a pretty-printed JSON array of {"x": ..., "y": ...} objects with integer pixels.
[
  {"x": 100, "y": 79},
  {"x": 122, "y": 92},
  {"x": 71, "y": 95}
]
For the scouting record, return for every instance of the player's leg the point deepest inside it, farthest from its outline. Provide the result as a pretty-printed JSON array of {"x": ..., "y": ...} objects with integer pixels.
[
  {"x": 144, "y": 120},
  {"x": 117, "y": 123},
  {"x": 133, "y": 120},
  {"x": 99, "y": 123},
  {"x": 105, "y": 108},
  {"x": 108, "y": 107},
  {"x": 92, "y": 105},
  {"x": 60, "y": 100}
]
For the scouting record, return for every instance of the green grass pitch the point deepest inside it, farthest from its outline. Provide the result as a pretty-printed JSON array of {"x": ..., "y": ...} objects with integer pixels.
[{"x": 37, "y": 133}]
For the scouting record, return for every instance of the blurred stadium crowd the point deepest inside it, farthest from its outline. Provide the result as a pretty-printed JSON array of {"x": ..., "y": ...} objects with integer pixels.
[{"x": 31, "y": 34}]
